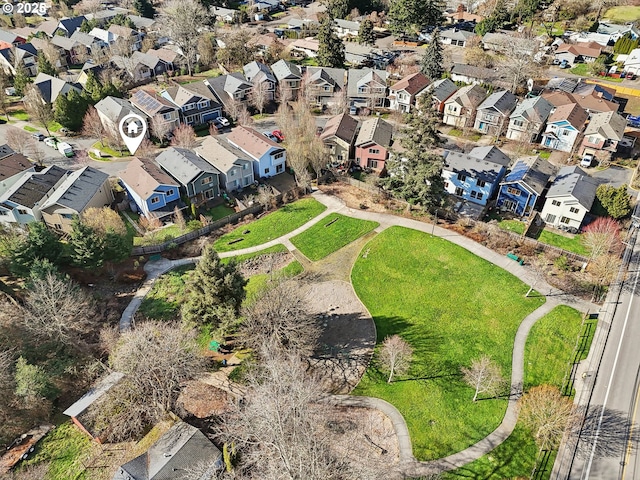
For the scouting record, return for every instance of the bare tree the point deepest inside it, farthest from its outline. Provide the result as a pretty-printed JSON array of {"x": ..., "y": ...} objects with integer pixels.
[
  {"x": 52, "y": 54},
  {"x": 34, "y": 152},
  {"x": 178, "y": 218},
  {"x": 88, "y": 6},
  {"x": 38, "y": 109},
  {"x": 260, "y": 95},
  {"x": 233, "y": 108},
  {"x": 183, "y": 19},
  {"x": 92, "y": 126},
  {"x": 484, "y": 376},
  {"x": 184, "y": 136},
  {"x": 146, "y": 149},
  {"x": 7, "y": 362},
  {"x": 122, "y": 48},
  {"x": 104, "y": 220},
  {"x": 18, "y": 140},
  {"x": 519, "y": 61},
  {"x": 244, "y": 117},
  {"x": 266, "y": 196},
  {"x": 159, "y": 127},
  {"x": 602, "y": 237},
  {"x": 278, "y": 318},
  {"x": 603, "y": 270},
  {"x": 395, "y": 356},
  {"x": 546, "y": 413}
]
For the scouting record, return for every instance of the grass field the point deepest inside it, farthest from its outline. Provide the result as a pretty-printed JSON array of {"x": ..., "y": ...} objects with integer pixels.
[
  {"x": 581, "y": 69},
  {"x": 106, "y": 150},
  {"x": 549, "y": 349},
  {"x": 220, "y": 211},
  {"x": 623, "y": 14},
  {"x": 452, "y": 306},
  {"x": 331, "y": 234},
  {"x": 271, "y": 226},
  {"x": 571, "y": 244},
  {"x": 30, "y": 129},
  {"x": 19, "y": 115}
]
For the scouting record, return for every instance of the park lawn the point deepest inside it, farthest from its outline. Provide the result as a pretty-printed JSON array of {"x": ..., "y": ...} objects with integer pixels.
[
  {"x": 258, "y": 282},
  {"x": 167, "y": 295},
  {"x": 271, "y": 226},
  {"x": 623, "y": 14},
  {"x": 66, "y": 447},
  {"x": 452, "y": 307},
  {"x": 331, "y": 234}
]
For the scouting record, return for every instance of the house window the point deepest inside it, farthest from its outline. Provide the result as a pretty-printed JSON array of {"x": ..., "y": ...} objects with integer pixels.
[
  {"x": 4, "y": 212},
  {"x": 155, "y": 200},
  {"x": 170, "y": 192},
  {"x": 473, "y": 193},
  {"x": 481, "y": 183},
  {"x": 362, "y": 89},
  {"x": 593, "y": 139},
  {"x": 462, "y": 177},
  {"x": 204, "y": 104},
  {"x": 550, "y": 218},
  {"x": 372, "y": 163},
  {"x": 22, "y": 211},
  {"x": 232, "y": 173},
  {"x": 479, "y": 196},
  {"x": 166, "y": 116},
  {"x": 374, "y": 151},
  {"x": 555, "y": 203},
  {"x": 278, "y": 155},
  {"x": 565, "y": 133},
  {"x": 446, "y": 185},
  {"x": 518, "y": 123},
  {"x": 266, "y": 170},
  {"x": 459, "y": 191},
  {"x": 279, "y": 168},
  {"x": 513, "y": 191},
  {"x": 326, "y": 88},
  {"x": 245, "y": 166},
  {"x": 574, "y": 210},
  {"x": 206, "y": 180},
  {"x": 189, "y": 106},
  {"x": 565, "y": 220}
]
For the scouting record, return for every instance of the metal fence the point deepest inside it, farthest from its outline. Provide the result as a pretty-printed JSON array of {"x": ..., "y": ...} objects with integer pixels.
[{"x": 233, "y": 218}]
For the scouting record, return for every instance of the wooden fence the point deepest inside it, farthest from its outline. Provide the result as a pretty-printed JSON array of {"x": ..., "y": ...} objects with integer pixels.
[{"x": 233, "y": 218}]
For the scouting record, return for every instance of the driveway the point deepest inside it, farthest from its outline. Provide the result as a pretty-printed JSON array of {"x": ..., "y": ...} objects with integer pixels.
[{"x": 613, "y": 175}]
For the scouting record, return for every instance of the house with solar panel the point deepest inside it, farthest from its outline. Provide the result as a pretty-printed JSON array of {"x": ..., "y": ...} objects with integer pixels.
[
  {"x": 154, "y": 106},
  {"x": 195, "y": 102},
  {"x": 524, "y": 185}
]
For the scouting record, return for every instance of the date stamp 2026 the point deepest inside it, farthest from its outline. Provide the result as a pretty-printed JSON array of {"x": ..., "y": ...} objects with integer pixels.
[{"x": 24, "y": 8}]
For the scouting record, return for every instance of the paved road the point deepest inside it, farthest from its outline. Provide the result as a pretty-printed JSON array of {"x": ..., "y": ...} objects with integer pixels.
[{"x": 603, "y": 449}]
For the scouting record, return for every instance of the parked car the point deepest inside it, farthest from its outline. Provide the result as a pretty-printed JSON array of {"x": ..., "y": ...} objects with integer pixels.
[
  {"x": 587, "y": 160},
  {"x": 565, "y": 64},
  {"x": 65, "y": 149},
  {"x": 38, "y": 136},
  {"x": 51, "y": 142},
  {"x": 223, "y": 121},
  {"x": 353, "y": 110},
  {"x": 270, "y": 136},
  {"x": 555, "y": 62},
  {"x": 278, "y": 134}
]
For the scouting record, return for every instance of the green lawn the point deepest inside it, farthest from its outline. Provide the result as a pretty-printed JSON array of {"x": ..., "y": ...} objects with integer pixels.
[
  {"x": 515, "y": 226},
  {"x": 159, "y": 236},
  {"x": 623, "y": 14},
  {"x": 452, "y": 306},
  {"x": 54, "y": 127},
  {"x": 271, "y": 226},
  {"x": 20, "y": 115},
  {"x": 569, "y": 244},
  {"x": 257, "y": 282},
  {"x": 30, "y": 129},
  {"x": 545, "y": 155},
  {"x": 548, "y": 353},
  {"x": 66, "y": 447},
  {"x": 581, "y": 69},
  {"x": 331, "y": 234},
  {"x": 167, "y": 295},
  {"x": 106, "y": 150},
  {"x": 220, "y": 211}
]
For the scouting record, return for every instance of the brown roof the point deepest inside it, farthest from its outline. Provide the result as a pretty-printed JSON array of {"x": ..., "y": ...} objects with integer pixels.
[
  {"x": 342, "y": 126},
  {"x": 461, "y": 16},
  {"x": 573, "y": 113},
  {"x": 558, "y": 98},
  {"x": 250, "y": 141},
  {"x": 586, "y": 49},
  {"x": 165, "y": 54},
  {"x": 13, "y": 164},
  {"x": 143, "y": 176},
  {"x": 594, "y": 103},
  {"x": 412, "y": 84}
]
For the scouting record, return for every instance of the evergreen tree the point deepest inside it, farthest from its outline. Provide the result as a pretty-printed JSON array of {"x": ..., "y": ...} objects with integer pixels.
[
  {"x": 88, "y": 25},
  {"x": 45, "y": 66},
  {"x": 402, "y": 15},
  {"x": 40, "y": 243},
  {"x": 116, "y": 247},
  {"x": 20, "y": 80},
  {"x": 69, "y": 110},
  {"x": 338, "y": 8},
  {"x": 365, "y": 34},
  {"x": 87, "y": 247},
  {"x": 614, "y": 200},
  {"x": 331, "y": 48},
  {"x": 144, "y": 8},
  {"x": 432, "y": 60},
  {"x": 214, "y": 291},
  {"x": 431, "y": 13}
]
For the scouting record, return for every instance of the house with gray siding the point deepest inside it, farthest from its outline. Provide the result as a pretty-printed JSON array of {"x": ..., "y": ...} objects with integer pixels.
[
  {"x": 235, "y": 167},
  {"x": 198, "y": 179}
]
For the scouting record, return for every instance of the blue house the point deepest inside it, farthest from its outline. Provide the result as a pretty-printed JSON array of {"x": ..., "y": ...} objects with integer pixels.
[
  {"x": 471, "y": 178},
  {"x": 153, "y": 191},
  {"x": 524, "y": 185}
]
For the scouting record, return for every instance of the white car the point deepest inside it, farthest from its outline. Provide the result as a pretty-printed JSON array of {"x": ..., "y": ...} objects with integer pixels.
[
  {"x": 51, "y": 142},
  {"x": 270, "y": 136},
  {"x": 587, "y": 160},
  {"x": 223, "y": 121}
]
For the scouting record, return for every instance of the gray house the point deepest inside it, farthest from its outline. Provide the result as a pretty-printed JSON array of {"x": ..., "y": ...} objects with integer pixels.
[
  {"x": 492, "y": 117},
  {"x": 261, "y": 76},
  {"x": 289, "y": 76},
  {"x": 528, "y": 119},
  {"x": 199, "y": 179},
  {"x": 236, "y": 168}
]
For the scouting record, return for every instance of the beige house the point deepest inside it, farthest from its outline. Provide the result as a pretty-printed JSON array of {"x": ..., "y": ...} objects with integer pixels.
[
  {"x": 339, "y": 135},
  {"x": 81, "y": 190},
  {"x": 236, "y": 168},
  {"x": 460, "y": 108}
]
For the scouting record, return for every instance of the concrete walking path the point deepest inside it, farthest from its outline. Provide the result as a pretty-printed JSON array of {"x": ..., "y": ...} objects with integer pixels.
[{"x": 408, "y": 464}]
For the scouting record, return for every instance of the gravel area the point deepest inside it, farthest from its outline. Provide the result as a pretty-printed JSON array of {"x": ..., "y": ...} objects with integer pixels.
[{"x": 265, "y": 263}]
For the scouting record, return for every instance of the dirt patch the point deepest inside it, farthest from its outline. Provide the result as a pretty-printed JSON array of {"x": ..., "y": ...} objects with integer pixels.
[
  {"x": 348, "y": 334},
  {"x": 202, "y": 400},
  {"x": 354, "y": 197},
  {"x": 267, "y": 263}
]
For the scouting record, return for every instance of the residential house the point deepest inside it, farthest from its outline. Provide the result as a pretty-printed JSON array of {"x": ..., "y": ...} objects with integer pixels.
[
  {"x": 569, "y": 199},
  {"x": 461, "y": 15},
  {"x": 324, "y": 84},
  {"x": 226, "y": 15},
  {"x": 181, "y": 447},
  {"x": 112, "y": 110},
  {"x": 12, "y": 167},
  {"x": 10, "y": 39},
  {"x": 524, "y": 185},
  {"x": 102, "y": 17},
  {"x": 133, "y": 37},
  {"x": 402, "y": 94},
  {"x": 268, "y": 157},
  {"x": 497, "y": 42},
  {"x": 68, "y": 26},
  {"x": 47, "y": 27},
  {"x": 461, "y": 107},
  {"x": 372, "y": 144},
  {"x": 81, "y": 189},
  {"x": 198, "y": 178},
  {"x": 440, "y": 91},
  {"x": 235, "y": 166},
  {"x": 196, "y": 103},
  {"x": 288, "y": 75},
  {"x": 71, "y": 51},
  {"x": 91, "y": 45},
  {"x": 140, "y": 66},
  {"x": 564, "y": 127},
  {"x": 595, "y": 102},
  {"x": 308, "y": 47},
  {"x": 261, "y": 76},
  {"x": 339, "y": 135},
  {"x": 171, "y": 58},
  {"x": 594, "y": 89},
  {"x": 78, "y": 411},
  {"x": 151, "y": 191},
  {"x": 143, "y": 24},
  {"x": 578, "y": 52},
  {"x": 461, "y": 72},
  {"x": 603, "y": 133},
  {"x": 367, "y": 88},
  {"x": 104, "y": 38},
  {"x": 153, "y": 105},
  {"x": 616, "y": 32},
  {"x": 632, "y": 62},
  {"x": 528, "y": 119},
  {"x": 456, "y": 37},
  {"x": 52, "y": 87},
  {"x": 489, "y": 153},
  {"x": 345, "y": 28},
  {"x": 230, "y": 90},
  {"x": 588, "y": 37},
  {"x": 493, "y": 113},
  {"x": 20, "y": 204},
  {"x": 24, "y": 55},
  {"x": 471, "y": 178}
]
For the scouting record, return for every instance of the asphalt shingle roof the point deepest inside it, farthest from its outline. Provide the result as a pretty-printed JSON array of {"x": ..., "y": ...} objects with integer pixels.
[
  {"x": 78, "y": 189},
  {"x": 184, "y": 165}
]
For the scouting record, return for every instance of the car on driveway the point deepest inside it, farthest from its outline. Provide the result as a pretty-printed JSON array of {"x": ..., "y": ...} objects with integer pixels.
[
  {"x": 38, "y": 136},
  {"x": 270, "y": 136},
  {"x": 51, "y": 142},
  {"x": 587, "y": 160},
  {"x": 278, "y": 134},
  {"x": 223, "y": 121},
  {"x": 565, "y": 64}
]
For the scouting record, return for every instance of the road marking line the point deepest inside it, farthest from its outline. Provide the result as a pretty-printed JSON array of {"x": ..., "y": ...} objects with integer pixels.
[
  {"x": 629, "y": 445},
  {"x": 611, "y": 377}
]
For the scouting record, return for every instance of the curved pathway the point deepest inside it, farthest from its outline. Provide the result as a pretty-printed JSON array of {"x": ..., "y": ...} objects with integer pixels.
[{"x": 409, "y": 466}]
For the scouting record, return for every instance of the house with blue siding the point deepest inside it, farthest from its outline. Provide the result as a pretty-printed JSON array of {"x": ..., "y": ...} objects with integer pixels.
[
  {"x": 524, "y": 185},
  {"x": 471, "y": 178},
  {"x": 564, "y": 126},
  {"x": 151, "y": 191}
]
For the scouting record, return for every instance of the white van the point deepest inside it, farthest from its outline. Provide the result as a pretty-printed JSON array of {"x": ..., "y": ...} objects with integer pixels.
[{"x": 65, "y": 149}]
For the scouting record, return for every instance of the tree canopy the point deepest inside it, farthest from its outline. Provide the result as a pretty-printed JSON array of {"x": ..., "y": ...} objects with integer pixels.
[
  {"x": 431, "y": 63},
  {"x": 331, "y": 48}
]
